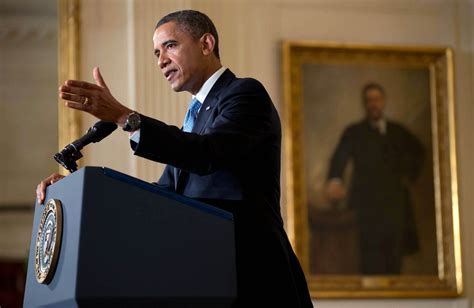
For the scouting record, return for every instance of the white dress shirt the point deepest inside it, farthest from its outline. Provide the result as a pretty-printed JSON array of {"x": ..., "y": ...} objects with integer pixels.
[
  {"x": 200, "y": 96},
  {"x": 380, "y": 125}
]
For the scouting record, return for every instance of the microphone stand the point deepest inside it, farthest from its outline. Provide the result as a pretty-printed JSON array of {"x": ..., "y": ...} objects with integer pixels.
[
  {"x": 72, "y": 152},
  {"x": 68, "y": 157}
]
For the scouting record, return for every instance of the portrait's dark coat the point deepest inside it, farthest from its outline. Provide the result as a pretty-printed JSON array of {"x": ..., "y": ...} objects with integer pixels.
[
  {"x": 384, "y": 165},
  {"x": 231, "y": 159}
]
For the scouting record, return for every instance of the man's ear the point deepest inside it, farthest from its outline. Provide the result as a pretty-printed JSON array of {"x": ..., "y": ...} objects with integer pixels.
[{"x": 208, "y": 42}]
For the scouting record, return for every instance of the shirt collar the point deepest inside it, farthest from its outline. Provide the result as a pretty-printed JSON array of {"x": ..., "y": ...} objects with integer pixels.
[
  {"x": 207, "y": 86},
  {"x": 381, "y": 125}
]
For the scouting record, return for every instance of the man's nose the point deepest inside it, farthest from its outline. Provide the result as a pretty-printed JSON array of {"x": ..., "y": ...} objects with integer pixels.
[{"x": 163, "y": 60}]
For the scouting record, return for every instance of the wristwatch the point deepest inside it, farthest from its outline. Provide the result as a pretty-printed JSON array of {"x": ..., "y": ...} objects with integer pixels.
[{"x": 133, "y": 122}]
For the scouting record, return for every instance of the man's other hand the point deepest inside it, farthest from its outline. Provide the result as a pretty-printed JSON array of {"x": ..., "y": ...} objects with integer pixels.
[
  {"x": 41, "y": 188},
  {"x": 335, "y": 190}
]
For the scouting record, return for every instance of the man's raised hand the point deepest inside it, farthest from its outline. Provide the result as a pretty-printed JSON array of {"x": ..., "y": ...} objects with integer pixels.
[{"x": 95, "y": 99}]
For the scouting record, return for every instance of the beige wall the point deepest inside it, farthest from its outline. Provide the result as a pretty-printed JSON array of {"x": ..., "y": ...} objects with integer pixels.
[
  {"x": 28, "y": 114},
  {"x": 28, "y": 82},
  {"x": 117, "y": 35}
]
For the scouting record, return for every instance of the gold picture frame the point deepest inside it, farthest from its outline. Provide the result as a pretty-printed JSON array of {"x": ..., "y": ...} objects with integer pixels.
[{"x": 437, "y": 64}]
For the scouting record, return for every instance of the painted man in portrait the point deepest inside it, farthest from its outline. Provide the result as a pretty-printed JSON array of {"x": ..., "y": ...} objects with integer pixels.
[{"x": 387, "y": 159}]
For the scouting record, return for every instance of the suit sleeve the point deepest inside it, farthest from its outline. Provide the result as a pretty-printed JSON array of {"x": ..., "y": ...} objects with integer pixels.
[
  {"x": 166, "y": 180},
  {"x": 341, "y": 155},
  {"x": 246, "y": 118}
]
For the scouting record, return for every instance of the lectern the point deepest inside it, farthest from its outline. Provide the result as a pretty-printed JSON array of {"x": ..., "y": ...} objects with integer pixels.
[{"x": 105, "y": 239}]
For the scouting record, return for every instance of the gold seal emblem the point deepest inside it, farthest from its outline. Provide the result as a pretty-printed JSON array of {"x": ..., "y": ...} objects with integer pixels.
[{"x": 48, "y": 241}]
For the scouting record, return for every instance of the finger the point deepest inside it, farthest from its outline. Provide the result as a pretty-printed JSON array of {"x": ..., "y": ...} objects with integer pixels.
[
  {"x": 40, "y": 192},
  {"x": 73, "y": 98},
  {"x": 77, "y": 91},
  {"x": 42, "y": 196},
  {"x": 82, "y": 84},
  {"x": 55, "y": 178},
  {"x": 77, "y": 106},
  {"x": 42, "y": 187},
  {"x": 99, "y": 80}
]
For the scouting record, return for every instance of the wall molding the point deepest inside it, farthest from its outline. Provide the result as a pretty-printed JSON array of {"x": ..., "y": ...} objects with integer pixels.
[{"x": 28, "y": 29}]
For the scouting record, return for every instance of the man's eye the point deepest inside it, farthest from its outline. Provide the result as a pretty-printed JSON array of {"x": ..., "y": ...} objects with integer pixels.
[{"x": 170, "y": 45}]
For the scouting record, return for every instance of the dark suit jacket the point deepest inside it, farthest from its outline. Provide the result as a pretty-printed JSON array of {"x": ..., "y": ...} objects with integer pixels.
[
  {"x": 231, "y": 159},
  {"x": 383, "y": 167}
]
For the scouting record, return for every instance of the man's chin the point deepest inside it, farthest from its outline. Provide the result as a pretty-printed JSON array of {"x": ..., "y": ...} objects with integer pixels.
[
  {"x": 177, "y": 87},
  {"x": 375, "y": 116}
]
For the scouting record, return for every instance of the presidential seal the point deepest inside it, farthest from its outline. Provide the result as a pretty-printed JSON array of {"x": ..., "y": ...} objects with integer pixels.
[{"x": 48, "y": 241}]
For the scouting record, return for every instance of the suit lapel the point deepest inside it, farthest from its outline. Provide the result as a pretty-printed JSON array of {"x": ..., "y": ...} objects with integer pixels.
[
  {"x": 211, "y": 100},
  {"x": 203, "y": 116},
  {"x": 176, "y": 173}
]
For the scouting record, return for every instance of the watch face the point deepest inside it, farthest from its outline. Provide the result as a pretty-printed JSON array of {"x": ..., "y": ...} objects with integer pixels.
[{"x": 133, "y": 121}]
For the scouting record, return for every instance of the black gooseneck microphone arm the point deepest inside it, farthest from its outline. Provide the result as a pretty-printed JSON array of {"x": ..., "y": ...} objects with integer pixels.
[{"x": 72, "y": 152}]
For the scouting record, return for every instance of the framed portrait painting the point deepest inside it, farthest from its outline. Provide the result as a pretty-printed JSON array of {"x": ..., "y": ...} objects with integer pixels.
[{"x": 371, "y": 169}]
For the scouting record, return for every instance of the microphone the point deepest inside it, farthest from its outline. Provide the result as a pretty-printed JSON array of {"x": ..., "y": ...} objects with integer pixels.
[
  {"x": 72, "y": 152},
  {"x": 94, "y": 134}
]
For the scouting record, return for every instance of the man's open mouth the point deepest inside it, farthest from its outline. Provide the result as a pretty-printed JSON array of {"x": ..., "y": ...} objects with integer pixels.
[{"x": 170, "y": 74}]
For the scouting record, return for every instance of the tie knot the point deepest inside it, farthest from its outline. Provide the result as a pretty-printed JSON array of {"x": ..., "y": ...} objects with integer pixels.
[
  {"x": 191, "y": 115},
  {"x": 194, "y": 106}
]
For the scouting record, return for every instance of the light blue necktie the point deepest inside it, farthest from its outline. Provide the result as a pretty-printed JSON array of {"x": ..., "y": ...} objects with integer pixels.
[{"x": 191, "y": 115}]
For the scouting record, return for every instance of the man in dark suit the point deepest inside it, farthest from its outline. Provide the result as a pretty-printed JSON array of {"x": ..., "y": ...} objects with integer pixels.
[
  {"x": 386, "y": 159},
  {"x": 227, "y": 153}
]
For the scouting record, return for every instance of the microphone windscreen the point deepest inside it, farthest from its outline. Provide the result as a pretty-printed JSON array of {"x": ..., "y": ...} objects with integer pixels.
[{"x": 103, "y": 129}]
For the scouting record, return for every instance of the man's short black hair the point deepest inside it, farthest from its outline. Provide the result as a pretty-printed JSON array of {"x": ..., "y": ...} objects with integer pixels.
[
  {"x": 194, "y": 23},
  {"x": 371, "y": 86}
]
